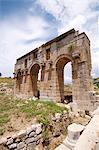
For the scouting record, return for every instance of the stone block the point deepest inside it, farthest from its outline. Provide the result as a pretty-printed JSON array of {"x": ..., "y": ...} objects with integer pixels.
[
  {"x": 12, "y": 146},
  {"x": 30, "y": 140},
  {"x": 20, "y": 145},
  {"x": 32, "y": 128},
  {"x": 38, "y": 129},
  {"x": 9, "y": 141},
  {"x": 32, "y": 134}
]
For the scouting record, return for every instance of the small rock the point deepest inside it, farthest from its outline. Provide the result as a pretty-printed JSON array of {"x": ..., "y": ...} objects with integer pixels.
[
  {"x": 29, "y": 130},
  {"x": 65, "y": 112},
  {"x": 17, "y": 140},
  {"x": 77, "y": 115},
  {"x": 71, "y": 114},
  {"x": 81, "y": 113},
  {"x": 34, "y": 98},
  {"x": 20, "y": 145},
  {"x": 14, "y": 136},
  {"x": 88, "y": 117},
  {"x": 38, "y": 129},
  {"x": 58, "y": 116},
  {"x": 10, "y": 141},
  {"x": 30, "y": 140},
  {"x": 12, "y": 146},
  {"x": 53, "y": 118},
  {"x": 56, "y": 134},
  {"x": 32, "y": 134}
]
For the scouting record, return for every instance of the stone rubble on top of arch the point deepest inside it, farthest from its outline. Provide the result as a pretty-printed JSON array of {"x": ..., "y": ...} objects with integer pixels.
[{"x": 48, "y": 61}]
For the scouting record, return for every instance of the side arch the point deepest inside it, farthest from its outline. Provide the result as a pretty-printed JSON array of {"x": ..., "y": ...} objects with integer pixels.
[
  {"x": 30, "y": 67},
  {"x": 34, "y": 73}
]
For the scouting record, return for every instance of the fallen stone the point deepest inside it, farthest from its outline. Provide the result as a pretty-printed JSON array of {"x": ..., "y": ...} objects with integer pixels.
[
  {"x": 58, "y": 116},
  {"x": 32, "y": 134},
  {"x": 12, "y": 146},
  {"x": 30, "y": 140},
  {"x": 81, "y": 113},
  {"x": 38, "y": 129},
  {"x": 9, "y": 141},
  {"x": 88, "y": 117},
  {"x": 56, "y": 134},
  {"x": 20, "y": 145},
  {"x": 17, "y": 140},
  {"x": 32, "y": 128},
  {"x": 77, "y": 115}
]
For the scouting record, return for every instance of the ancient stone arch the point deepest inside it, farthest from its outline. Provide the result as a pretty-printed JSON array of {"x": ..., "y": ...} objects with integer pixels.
[{"x": 48, "y": 61}]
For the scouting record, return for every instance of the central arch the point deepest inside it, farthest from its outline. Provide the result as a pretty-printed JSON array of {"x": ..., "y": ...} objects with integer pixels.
[
  {"x": 34, "y": 72},
  {"x": 60, "y": 64}
]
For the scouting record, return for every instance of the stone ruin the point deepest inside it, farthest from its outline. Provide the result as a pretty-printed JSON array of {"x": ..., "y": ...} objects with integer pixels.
[{"x": 40, "y": 73}]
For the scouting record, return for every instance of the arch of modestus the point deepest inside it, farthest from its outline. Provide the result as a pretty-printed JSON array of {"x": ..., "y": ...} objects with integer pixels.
[{"x": 40, "y": 72}]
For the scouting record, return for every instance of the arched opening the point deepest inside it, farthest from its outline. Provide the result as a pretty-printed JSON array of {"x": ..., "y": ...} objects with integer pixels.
[
  {"x": 34, "y": 75},
  {"x": 60, "y": 65},
  {"x": 68, "y": 83},
  {"x": 19, "y": 80}
]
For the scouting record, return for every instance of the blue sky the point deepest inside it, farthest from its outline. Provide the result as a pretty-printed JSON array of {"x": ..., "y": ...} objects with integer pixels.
[{"x": 26, "y": 24}]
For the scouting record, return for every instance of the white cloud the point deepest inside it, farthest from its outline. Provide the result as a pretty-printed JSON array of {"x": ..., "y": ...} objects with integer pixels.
[
  {"x": 14, "y": 34},
  {"x": 80, "y": 15}
]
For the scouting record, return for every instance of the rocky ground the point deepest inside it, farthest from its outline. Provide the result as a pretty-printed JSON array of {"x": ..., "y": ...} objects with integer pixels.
[{"x": 17, "y": 114}]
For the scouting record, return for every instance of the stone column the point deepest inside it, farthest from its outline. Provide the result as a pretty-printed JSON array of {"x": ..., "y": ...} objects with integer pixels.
[
  {"x": 81, "y": 84},
  {"x": 57, "y": 85},
  {"x": 28, "y": 87}
]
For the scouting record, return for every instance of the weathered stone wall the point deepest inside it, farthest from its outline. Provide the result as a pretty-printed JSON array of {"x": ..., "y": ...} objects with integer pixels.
[
  {"x": 38, "y": 136},
  {"x": 27, "y": 139}
]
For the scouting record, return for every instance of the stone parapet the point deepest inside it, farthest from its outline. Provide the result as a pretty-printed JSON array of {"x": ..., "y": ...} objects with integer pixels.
[{"x": 27, "y": 139}]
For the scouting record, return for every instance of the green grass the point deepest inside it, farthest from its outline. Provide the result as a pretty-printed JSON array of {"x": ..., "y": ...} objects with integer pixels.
[
  {"x": 13, "y": 106},
  {"x": 8, "y": 81},
  {"x": 2, "y": 130},
  {"x": 41, "y": 109},
  {"x": 7, "y": 108},
  {"x": 4, "y": 119}
]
